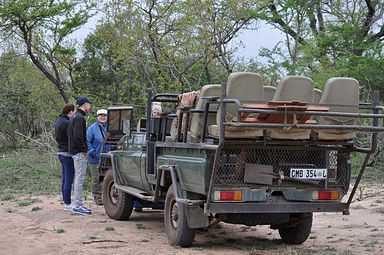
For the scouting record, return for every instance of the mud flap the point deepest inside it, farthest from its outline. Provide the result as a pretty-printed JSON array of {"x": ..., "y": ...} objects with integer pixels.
[{"x": 196, "y": 217}]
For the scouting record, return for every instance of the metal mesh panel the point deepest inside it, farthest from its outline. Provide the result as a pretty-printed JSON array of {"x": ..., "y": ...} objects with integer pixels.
[{"x": 231, "y": 165}]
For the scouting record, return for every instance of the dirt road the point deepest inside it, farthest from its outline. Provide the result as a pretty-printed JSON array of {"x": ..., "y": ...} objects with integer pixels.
[{"x": 43, "y": 227}]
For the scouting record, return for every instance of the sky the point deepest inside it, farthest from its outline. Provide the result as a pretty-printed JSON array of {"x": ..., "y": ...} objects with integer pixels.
[{"x": 264, "y": 37}]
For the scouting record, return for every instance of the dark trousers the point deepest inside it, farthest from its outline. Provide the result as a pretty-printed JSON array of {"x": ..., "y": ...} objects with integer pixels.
[
  {"x": 68, "y": 171},
  {"x": 97, "y": 186}
]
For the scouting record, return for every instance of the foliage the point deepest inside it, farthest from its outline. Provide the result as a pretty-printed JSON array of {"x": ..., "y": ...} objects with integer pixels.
[
  {"x": 109, "y": 228},
  {"x": 29, "y": 172},
  {"x": 170, "y": 46},
  {"x": 60, "y": 230},
  {"x": 28, "y": 103},
  {"x": 7, "y": 196},
  {"x": 41, "y": 28},
  {"x": 328, "y": 38}
]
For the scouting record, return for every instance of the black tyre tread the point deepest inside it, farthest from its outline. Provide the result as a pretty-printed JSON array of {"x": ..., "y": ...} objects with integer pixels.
[
  {"x": 123, "y": 209},
  {"x": 183, "y": 236},
  {"x": 299, "y": 233}
]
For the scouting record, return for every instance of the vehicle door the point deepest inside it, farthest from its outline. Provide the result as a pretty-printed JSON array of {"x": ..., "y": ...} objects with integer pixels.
[{"x": 131, "y": 160}]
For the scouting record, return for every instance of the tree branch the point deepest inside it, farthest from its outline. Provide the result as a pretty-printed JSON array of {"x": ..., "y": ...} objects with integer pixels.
[
  {"x": 284, "y": 26},
  {"x": 368, "y": 18},
  {"x": 27, "y": 37},
  {"x": 312, "y": 22},
  {"x": 320, "y": 17}
]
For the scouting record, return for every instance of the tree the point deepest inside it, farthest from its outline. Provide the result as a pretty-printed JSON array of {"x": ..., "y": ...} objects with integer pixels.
[
  {"x": 28, "y": 102},
  {"x": 328, "y": 38},
  {"x": 43, "y": 28},
  {"x": 170, "y": 46}
]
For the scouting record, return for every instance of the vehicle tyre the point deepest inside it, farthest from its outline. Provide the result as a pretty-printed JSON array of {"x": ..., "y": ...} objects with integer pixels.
[
  {"x": 175, "y": 220},
  {"x": 117, "y": 204},
  {"x": 299, "y": 230}
]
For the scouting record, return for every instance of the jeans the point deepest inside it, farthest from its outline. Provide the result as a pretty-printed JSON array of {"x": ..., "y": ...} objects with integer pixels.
[
  {"x": 80, "y": 163},
  {"x": 96, "y": 184},
  {"x": 67, "y": 171}
]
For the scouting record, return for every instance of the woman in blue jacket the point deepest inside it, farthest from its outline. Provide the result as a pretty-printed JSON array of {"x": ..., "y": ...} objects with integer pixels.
[{"x": 96, "y": 134}]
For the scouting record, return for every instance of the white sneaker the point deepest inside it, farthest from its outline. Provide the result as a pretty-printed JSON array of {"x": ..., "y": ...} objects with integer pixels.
[{"x": 68, "y": 207}]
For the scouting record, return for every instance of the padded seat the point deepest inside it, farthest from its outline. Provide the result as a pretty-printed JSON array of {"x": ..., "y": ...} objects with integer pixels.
[
  {"x": 293, "y": 88},
  {"x": 141, "y": 125},
  {"x": 317, "y": 95},
  {"x": 236, "y": 132},
  {"x": 269, "y": 93},
  {"x": 197, "y": 119},
  {"x": 186, "y": 100},
  {"x": 341, "y": 94},
  {"x": 246, "y": 87}
]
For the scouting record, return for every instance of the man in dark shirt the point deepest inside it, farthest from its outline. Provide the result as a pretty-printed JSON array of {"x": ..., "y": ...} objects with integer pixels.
[{"x": 77, "y": 147}]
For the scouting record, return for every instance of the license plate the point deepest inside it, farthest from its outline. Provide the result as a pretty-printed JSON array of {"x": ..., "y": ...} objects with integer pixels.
[{"x": 305, "y": 173}]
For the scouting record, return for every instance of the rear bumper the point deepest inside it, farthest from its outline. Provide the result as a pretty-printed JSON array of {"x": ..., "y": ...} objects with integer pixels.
[{"x": 276, "y": 207}]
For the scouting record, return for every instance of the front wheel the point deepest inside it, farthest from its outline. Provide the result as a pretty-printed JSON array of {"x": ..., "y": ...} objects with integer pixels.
[
  {"x": 117, "y": 204},
  {"x": 299, "y": 229},
  {"x": 175, "y": 220}
]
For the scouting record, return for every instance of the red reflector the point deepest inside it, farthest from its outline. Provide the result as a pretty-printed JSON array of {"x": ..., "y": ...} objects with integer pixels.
[
  {"x": 227, "y": 195},
  {"x": 328, "y": 195},
  {"x": 325, "y": 195},
  {"x": 231, "y": 195}
]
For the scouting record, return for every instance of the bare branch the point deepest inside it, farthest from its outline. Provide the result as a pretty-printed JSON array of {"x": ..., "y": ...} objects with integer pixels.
[
  {"x": 320, "y": 17},
  {"x": 368, "y": 18},
  {"x": 284, "y": 26}
]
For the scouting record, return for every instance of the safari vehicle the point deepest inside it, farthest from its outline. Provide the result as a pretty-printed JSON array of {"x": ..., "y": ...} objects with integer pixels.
[{"x": 242, "y": 153}]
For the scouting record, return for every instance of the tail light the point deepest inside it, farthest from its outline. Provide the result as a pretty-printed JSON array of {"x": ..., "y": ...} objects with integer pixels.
[
  {"x": 326, "y": 195},
  {"x": 228, "y": 195}
]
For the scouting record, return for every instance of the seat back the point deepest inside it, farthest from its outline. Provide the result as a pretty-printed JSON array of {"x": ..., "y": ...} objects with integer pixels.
[
  {"x": 269, "y": 93},
  {"x": 295, "y": 88},
  {"x": 341, "y": 94},
  {"x": 245, "y": 87},
  {"x": 317, "y": 95},
  {"x": 186, "y": 100},
  {"x": 341, "y": 91},
  {"x": 197, "y": 119},
  {"x": 141, "y": 125}
]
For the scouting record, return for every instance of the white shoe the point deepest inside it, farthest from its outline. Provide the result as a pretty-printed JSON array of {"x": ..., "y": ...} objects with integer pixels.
[{"x": 68, "y": 207}]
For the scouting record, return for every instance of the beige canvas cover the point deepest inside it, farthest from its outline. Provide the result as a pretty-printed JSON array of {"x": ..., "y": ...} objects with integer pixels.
[
  {"x": 269, "y": 93},
  {"x": 317, "y": 95},
  {"x": 341, "y": 94},
  {"x": 245, "y": 87},
  {"x": 293, "y": 88},
  {"x": 197, "y": 119}
]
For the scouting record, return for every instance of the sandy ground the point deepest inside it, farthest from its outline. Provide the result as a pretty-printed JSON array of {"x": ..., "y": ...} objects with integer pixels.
[{"x": 48, "y": 229}]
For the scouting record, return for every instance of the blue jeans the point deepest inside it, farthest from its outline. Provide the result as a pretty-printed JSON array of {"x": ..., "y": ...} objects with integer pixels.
[
  {"x": 67, "y": 171},
  {"x": 80, "y": 163}
]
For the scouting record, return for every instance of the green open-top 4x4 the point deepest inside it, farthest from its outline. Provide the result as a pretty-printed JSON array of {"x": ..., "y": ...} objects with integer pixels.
[{"x": 233, "y": 153}]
